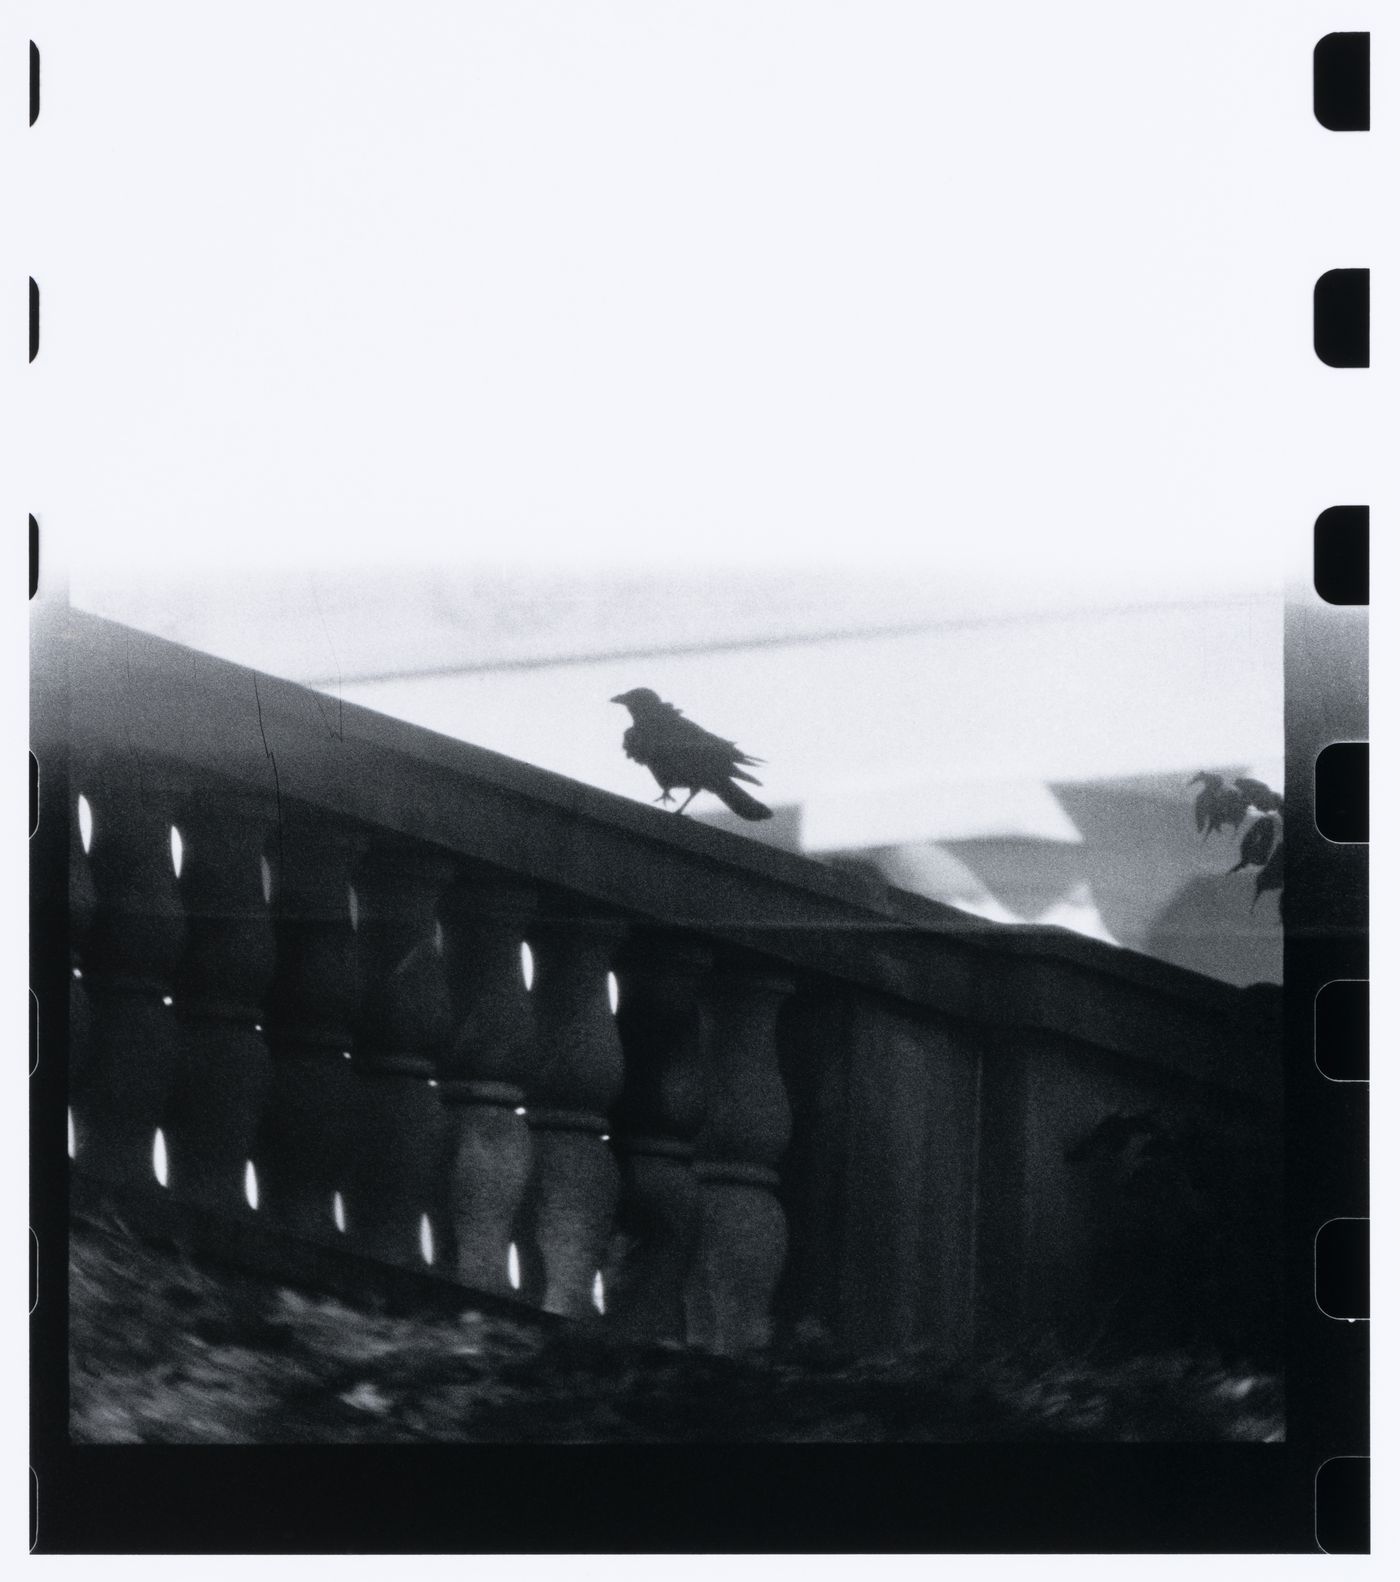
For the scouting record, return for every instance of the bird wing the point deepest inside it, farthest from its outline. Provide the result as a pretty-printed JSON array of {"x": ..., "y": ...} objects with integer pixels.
[
  {"x": 716, "y": 755},
  {"x": 634, "y": 744},
  {"x": 680, "y": 752}
]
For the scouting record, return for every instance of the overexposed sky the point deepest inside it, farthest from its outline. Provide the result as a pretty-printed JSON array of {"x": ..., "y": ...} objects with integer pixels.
[
  {"x": 1023, "y": 296},
  {"x": 1023, "y": 291}
]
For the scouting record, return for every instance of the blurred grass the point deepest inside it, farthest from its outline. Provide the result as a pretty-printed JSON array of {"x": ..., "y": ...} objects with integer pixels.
[{"x": 165, "y": 1350}]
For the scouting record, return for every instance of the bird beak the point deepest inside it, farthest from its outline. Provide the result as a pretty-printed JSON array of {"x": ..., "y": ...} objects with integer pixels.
[{"x": 617, "y": 699}]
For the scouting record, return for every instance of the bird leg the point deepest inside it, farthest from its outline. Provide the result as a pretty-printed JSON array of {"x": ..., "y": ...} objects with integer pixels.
[
  {"x": 684, "y": 805},
  {"x": 665, "y": 799}
]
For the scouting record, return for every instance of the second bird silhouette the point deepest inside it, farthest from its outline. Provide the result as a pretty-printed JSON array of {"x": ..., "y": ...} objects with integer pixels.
[{"x": 683, "y": 756}]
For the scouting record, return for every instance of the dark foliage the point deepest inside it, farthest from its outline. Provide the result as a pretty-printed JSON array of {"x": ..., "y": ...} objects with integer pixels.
[
  {"x": 1257, "y": 845},
  {"x": 1187, "y": 1227},
  {"x": 1261, "y": 845},
  {"x": 168, "y": 1351}
]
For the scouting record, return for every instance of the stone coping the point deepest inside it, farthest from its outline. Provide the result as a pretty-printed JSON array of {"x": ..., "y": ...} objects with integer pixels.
[{"x": 195, "y": 718}]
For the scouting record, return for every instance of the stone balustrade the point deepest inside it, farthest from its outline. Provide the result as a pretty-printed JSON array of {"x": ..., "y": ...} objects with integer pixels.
[{"x": 379, "y": 990}]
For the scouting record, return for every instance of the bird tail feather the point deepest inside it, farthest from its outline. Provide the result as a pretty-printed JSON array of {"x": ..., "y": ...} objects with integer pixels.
[
  {"x": 752, "y": 780},
  {"x": 739, "y": 801}
]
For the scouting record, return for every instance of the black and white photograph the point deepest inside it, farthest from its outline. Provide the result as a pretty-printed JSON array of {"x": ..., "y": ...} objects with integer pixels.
[
  {"x": 676, "y": 655},
  {"x": 911, "y": 1075}
]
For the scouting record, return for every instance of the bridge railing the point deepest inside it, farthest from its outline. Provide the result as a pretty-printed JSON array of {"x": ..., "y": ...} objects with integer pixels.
[{"x": 348, "y": 981}]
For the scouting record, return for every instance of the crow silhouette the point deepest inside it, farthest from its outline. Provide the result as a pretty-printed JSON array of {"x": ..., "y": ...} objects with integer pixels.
[{"x": 682, "y": 755}]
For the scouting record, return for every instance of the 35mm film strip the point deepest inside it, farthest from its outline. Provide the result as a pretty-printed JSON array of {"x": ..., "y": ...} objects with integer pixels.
[
  {"x": 1324, "y": 1462},
  {"x": 1326, "y": 970}
]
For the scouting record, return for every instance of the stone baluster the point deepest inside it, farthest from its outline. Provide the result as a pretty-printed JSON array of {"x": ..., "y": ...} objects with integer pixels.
[
  {"x": 743, "y": 1237},
  {"x": 82, "y": 914},
  {"x": 573, "y": 1191},
  {"x": 307, "y": 1146},
  {"x": 129, "y": 957},
  {"x": 1006, "y": 1281},
  {"x": 211, "y": 1125},
  {"x": 484, "y": 1073},
  {"x": 661, "y": 1111},
  {"x": 405, "y": 1021}
]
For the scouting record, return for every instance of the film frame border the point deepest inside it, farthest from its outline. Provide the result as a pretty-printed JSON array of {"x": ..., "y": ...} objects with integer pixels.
[{"x": 1325, "y": 674}]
